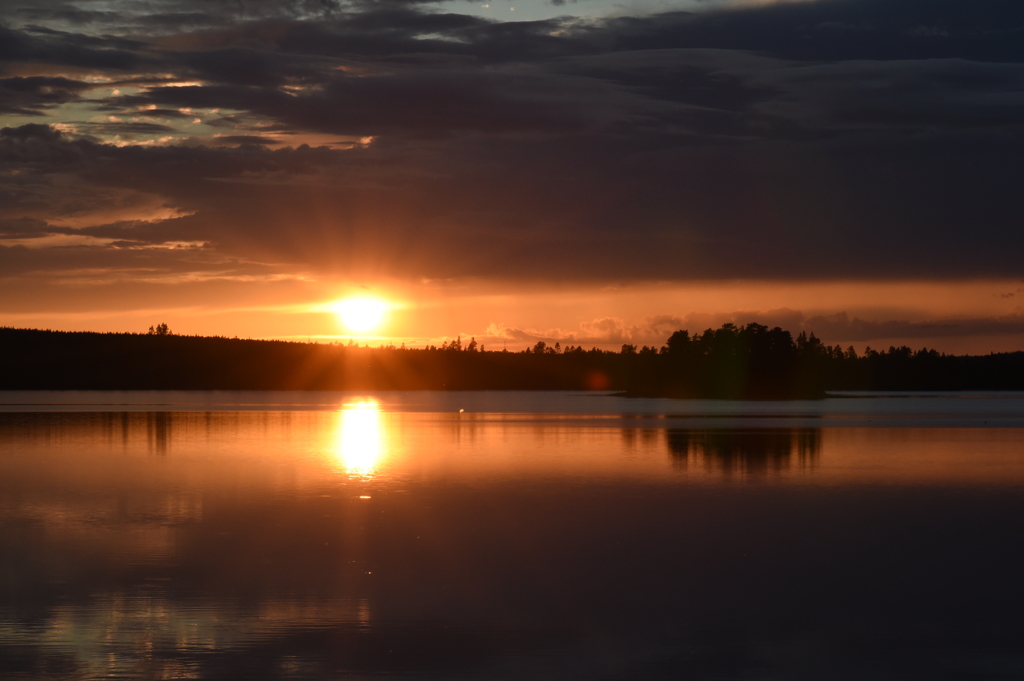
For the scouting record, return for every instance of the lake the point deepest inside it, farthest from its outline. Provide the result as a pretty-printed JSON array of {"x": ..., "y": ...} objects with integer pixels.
[{"x": 425, "y": 535}]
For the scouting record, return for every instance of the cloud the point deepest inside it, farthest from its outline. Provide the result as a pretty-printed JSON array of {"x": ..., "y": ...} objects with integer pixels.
[
  {"x": 579, "y": 208},
  {"x": 841, "y": 327},
  {"x": 46, "y": 46},
  {"x": 25, "y": 228},
  {"x": 32, "y": 96},
  {"x": 827, "y": 140}
]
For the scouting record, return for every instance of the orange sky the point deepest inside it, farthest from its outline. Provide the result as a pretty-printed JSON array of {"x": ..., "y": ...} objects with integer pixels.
[{"x": 949, "y": 316}]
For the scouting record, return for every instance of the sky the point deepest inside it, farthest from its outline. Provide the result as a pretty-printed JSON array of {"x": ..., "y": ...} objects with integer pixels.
[{"x": 589, "y": 172}]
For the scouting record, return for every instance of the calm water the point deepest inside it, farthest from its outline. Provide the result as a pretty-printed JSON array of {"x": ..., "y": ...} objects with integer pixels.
[{"x": 529, "y": 536}]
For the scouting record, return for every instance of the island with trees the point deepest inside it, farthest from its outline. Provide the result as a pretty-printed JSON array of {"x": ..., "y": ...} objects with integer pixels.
[{"x": 731, "y": 362}]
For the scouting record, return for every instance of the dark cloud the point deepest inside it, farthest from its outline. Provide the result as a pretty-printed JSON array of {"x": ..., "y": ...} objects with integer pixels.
[
  {"x": 842, "y": 139},
  {"x": 37, "y": 147},
  {"x": 28, "y": 268},
  {"x": 25, "y": 228},
  {"x": 583, "y": 207},
  {"x": 32, "y": 96},
  {"x": 44, "y": 46},
  {"x": 114, "y": 14},
  {"x": 842, "y": 327},
  {"x": 833, "y": 30},
  {"x": 416, "y": 104},
  {"x": 122, "y": 128},
  {"x": 236, "y": 140}
]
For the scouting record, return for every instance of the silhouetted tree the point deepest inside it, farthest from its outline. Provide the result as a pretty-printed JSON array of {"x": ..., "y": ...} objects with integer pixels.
[{"x": 678, "y": 343}]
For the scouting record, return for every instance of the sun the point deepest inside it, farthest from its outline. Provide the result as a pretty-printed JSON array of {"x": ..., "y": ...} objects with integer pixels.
[{"x": 361, "y": 314}]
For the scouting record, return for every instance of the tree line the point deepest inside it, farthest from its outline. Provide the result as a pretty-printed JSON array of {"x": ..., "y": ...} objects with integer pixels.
[{"x": 731, "y": 362}]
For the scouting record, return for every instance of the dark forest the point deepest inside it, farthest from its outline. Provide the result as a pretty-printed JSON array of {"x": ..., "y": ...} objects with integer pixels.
[{"x": 732, "y": 362}]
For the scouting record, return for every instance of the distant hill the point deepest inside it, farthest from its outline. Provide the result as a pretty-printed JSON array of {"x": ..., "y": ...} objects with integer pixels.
[{"x": 750, "y": 362}]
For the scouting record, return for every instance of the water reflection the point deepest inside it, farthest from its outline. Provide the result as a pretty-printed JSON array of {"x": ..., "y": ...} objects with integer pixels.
[
  {"x": 158, "y": 430},
  {"x": 753, "y": 451},
  {"x": 645, "y": 437},
  {"x": 361, "y": 440},
  {"x": 472, "y": 546}
]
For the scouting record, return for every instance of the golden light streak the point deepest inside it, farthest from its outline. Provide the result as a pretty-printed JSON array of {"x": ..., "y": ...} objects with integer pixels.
[{"x": 361, "y": 441}]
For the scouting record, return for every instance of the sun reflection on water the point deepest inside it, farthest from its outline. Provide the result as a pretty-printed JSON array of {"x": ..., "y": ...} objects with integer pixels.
[{"x": 361, "y": 441}]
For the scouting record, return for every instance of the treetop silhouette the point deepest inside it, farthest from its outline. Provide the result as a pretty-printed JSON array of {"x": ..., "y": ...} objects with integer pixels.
[{"x": 731, "y": 362}]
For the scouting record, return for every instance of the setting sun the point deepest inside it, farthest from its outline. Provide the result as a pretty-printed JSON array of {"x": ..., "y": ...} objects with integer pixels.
[{"x": 361, "y": 314}]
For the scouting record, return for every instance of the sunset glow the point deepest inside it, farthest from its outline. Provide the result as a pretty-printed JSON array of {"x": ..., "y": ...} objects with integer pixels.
[{"x": 361, "y": 314}]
